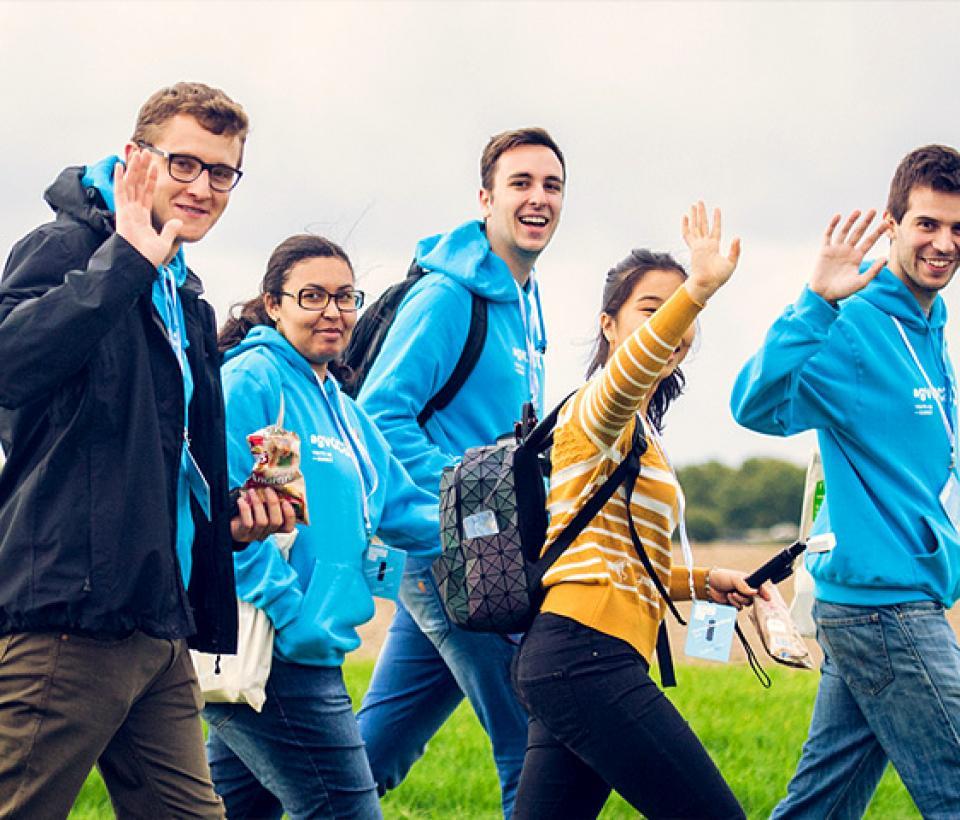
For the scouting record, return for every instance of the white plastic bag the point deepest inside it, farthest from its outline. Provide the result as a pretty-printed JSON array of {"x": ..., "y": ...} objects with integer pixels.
[{"x": 242, "y": 678}]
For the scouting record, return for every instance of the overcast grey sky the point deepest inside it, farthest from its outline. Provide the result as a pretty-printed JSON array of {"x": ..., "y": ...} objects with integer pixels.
[{"x": 369, "y": 118}]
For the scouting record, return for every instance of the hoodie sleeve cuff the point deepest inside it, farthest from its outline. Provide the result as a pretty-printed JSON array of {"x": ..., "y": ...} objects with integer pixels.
[
  {"x": 815, "y": 310},
  {"x": 284, "y": 609}
]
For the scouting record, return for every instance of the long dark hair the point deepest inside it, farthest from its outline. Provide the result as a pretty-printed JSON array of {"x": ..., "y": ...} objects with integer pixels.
[
  {"x": 622, "y": 278},
  {"x": 245, "y": 315}
]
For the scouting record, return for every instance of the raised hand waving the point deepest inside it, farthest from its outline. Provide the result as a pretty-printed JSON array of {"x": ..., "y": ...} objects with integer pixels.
[
  {"x": 133, "y": 192},
  {"x": 709, "y": 268},
  {"x": 837, "y": 272}
]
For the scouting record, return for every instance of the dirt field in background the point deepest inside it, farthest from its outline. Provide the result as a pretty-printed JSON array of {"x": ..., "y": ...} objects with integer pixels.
[{"x": 735, "y": 556}]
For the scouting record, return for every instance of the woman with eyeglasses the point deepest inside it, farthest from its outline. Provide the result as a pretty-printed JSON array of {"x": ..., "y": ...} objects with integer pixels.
[{"x": 303, "y": 754}]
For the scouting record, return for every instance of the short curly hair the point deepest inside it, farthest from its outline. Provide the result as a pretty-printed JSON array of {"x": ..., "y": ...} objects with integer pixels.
[{"x": 210, "y": 107}]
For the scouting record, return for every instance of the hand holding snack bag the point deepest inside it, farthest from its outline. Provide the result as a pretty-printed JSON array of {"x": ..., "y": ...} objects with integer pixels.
[
  {"x": 276, "y": 454},
  {"x": 777, "y": 631}
]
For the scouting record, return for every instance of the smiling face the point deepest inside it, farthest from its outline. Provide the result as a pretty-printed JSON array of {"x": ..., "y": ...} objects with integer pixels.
[
  {"x": 195, "y": 203},
  {"x": 925, "y": 243},
  {"x": 522, "y": 209},
  {"x": 651, "y": 291},
  {"x": 320, "y": 336}
]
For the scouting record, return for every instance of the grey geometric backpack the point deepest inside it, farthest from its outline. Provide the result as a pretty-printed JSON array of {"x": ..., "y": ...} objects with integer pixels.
[{"x": 493, "y": 524}]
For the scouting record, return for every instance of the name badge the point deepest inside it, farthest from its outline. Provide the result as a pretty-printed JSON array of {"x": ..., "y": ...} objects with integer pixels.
[
  {"x": 710, "y": 631},
  {"x": 950, "y": 499},
  {"x": 383, "y": 570}
]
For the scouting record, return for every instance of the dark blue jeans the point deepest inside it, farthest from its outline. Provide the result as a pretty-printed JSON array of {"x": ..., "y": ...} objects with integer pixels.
[
  {"x": 598, "y": 721},
  {"x": 302, "y": 754}
]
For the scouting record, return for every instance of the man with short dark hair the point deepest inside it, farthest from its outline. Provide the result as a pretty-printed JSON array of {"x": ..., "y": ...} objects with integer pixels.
[
  {"x": 115, "y": 526},
  {"x": 862, "y": 358},
  {"x": 428, "y": 664}
]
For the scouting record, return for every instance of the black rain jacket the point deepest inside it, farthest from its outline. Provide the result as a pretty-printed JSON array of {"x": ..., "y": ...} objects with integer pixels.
[{"x": 91, "y": 417}]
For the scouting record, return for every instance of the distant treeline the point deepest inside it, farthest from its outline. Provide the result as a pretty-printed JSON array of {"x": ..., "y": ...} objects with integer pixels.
[{"x": 728, "y": 502}]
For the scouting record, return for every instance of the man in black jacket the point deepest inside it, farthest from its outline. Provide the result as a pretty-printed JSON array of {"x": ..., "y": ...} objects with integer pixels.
[{"x": 115, "y": 526}]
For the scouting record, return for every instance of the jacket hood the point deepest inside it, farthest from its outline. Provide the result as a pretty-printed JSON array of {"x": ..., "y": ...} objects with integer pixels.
[
  {"x": 465, "y": 256},
  {"x": 68, "y": 195},
  {"x": 891, "y": 296},
  {"x": 264, "y": 336}
]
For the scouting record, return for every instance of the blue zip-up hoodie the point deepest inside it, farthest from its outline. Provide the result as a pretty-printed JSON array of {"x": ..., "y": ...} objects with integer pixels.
[
  {"x": 318, "y": 598},
  {"x": 426, "y": 340},
  {"x": 848, "y": 374}
]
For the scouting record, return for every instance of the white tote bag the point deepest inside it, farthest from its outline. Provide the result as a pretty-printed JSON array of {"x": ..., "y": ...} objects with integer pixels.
[{"x": 242, "y": 678}]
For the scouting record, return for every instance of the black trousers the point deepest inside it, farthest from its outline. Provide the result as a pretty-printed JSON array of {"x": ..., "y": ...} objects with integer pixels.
[{"x": 599, "y": 722}]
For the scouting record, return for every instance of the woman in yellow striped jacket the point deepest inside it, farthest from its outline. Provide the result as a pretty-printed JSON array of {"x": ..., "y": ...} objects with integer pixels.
[{"x": 598, "y": 721}]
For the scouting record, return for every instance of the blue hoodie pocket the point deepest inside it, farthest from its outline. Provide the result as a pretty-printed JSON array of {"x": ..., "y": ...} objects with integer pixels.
[
  {"x": 335, "y": 603},
  {"x": 933, "y": 571}
]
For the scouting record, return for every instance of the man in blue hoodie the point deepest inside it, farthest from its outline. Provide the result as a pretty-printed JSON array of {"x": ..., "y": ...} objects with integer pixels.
[
  {"x": 861, "y": 357},
  {"x": 428, "y": 664},
  {"x": 115, "y": 527}
]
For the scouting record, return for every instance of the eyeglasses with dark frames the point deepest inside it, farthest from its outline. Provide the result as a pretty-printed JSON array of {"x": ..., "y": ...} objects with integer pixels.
[
  {"x": 313, "y": 298},
  {"x": 187, "y": 168}
]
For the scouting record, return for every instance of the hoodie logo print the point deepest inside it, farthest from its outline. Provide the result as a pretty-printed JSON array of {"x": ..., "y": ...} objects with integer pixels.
[
  {"x": 520, "y": 361},
  {"x": 322, "y": 447},
  {"x": 925, "y": 398}
]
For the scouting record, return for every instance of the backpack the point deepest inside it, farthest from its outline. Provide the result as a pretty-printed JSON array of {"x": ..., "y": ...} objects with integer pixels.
[
  {"x": 493, "y": 524},
  {"x": 372, "y": 328}
]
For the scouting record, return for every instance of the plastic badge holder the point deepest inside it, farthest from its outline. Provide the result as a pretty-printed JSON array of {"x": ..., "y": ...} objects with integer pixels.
[
  {"x": 710, "y": 631},
  {"x": 383, "y": 570}
]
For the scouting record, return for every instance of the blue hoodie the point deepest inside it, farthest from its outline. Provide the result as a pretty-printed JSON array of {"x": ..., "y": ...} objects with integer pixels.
[
  {"x": 321, "y": 592},
  {"x": 425, "y": 342},
  {"x": 848, "y": 374}
]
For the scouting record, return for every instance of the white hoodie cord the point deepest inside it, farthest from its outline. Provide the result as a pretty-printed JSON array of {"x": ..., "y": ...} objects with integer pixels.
[
  {"x": 948, "y": 426},
  {"x": 533, "y": 376}
]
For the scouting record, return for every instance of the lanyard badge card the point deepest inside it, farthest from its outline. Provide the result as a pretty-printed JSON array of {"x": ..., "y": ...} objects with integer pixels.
[
  {"x": 383, "y": 569},
  {"x": 710, "y": 631}
]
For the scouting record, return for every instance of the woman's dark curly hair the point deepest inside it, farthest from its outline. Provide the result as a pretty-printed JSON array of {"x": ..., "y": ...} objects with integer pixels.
[
  {"x": 622, "y": 278},
  {"x": 245, "y": 315}
]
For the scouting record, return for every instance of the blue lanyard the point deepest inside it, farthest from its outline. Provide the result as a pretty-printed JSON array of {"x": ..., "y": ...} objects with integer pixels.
[{"x": 174, "y": 327}]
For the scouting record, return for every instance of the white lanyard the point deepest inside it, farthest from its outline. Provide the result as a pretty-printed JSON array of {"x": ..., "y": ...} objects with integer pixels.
[
  {"x": 681, "y": 506},
  {"x": 951, "y": 435},
  {"x": 533, "y": 378},
  {"x": 355, "y": 453}
]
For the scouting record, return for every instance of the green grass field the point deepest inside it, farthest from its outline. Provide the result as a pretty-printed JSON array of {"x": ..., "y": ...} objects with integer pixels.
[{"x": 753, "y": 734}]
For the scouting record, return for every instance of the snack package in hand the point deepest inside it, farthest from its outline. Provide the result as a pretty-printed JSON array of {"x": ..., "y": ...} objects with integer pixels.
[
  {"x": 778, "y": 633},
  {"x": 276, "y": 454}
]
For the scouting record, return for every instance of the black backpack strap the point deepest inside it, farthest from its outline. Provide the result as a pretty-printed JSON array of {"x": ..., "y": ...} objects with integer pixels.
[
  {"x": 626, "y": 472},
  {"x": 645, "y": 560},
  {"x": 668, "y": 677},
  {"x": 541, "y": 436},
  {"x": 472, "y": 348}
]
